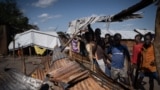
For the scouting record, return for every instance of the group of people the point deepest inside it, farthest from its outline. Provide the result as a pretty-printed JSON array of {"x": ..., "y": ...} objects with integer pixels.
[
  {"x": 114, "y": 58},
  {"x": 143, "y": 61}
]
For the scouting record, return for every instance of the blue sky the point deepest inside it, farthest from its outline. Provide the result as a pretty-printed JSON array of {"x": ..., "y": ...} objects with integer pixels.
[{"x": 49, "y": 15}]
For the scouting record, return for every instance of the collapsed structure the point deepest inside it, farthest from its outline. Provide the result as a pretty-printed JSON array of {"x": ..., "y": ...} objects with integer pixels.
[{"x": 65, "y": 73}]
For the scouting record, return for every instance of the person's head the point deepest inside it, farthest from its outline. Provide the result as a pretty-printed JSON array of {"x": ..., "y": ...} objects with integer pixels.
[
  {"x": 98, "y": 31},
  {"x": 111, "y": 40},
  {"x": 117, "y": 38},
  {"x": 107, "y": 37},
  {"x": 148, "y": 39},
  {"x": 138, "y": 38},
  {"x": 88, "y": 37}
]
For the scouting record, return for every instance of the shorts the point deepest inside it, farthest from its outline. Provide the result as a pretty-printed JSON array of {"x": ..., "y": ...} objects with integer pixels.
[
  {"x": 101, "y": 64},
  {"x": 116, "y": 73}
]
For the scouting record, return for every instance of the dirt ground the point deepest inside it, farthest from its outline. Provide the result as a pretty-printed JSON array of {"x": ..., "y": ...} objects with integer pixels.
[{"x": 32, "y": 63}]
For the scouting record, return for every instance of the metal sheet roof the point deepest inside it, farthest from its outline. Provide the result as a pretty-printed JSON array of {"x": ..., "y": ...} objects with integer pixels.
[{"x": 126, "y": 34}]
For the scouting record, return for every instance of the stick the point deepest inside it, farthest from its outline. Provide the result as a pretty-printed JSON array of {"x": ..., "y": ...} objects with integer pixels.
[{"x": 70, "y": 40}]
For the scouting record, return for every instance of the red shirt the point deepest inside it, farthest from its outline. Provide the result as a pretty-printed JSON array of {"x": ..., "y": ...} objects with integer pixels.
[{"x": 136, "y": 52}]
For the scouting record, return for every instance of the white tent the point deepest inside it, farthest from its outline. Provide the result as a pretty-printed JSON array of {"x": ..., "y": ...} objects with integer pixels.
[{"x": 32, "y": 37}]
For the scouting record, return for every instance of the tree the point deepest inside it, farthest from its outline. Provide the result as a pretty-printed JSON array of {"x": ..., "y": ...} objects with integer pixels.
[
  {"x": 11, "y": 16},
  {"x": 12, "y": 21}
]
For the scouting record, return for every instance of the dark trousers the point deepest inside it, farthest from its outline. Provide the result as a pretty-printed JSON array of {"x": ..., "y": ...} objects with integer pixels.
[
  {"x": 134, "y": 75},
  {"x": 152, "y": 76}
]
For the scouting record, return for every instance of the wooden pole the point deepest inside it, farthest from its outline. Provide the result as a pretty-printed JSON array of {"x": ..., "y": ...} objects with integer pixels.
[
  {"x": 156, "y": 40},
  {"x": 30, "y": 52},
  {"x": 126, "y": 12},
  {"x": 74, "y": 35},
  {"x": 23, "y": 61},
  {"x": 13, "y": 46}
]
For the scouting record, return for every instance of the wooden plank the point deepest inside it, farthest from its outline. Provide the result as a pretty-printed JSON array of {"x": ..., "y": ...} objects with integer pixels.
[
  {"x": 126, "y": 12},
  {"x": 54, "y": 70},
  {"x": 78, "y": 77},
  {"x": 78, "y": 74},
  {"x": 83, "y": 59},
  {"x": 94, "y": 85},
  {"x": 63, "y": 70},
  {"x": 83, "y": 85},
  {"x": 67, "y": 75},
  {"x": 88, "y": 84}
]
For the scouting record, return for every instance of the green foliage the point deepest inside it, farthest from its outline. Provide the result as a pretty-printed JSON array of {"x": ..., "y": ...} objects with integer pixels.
[{"x": 11, "y": 16}]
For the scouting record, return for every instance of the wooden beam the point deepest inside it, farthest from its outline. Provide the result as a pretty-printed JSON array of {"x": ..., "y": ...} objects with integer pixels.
[
  {"x": 156, "y": 40},
  {"x": 126, "y": 12}
]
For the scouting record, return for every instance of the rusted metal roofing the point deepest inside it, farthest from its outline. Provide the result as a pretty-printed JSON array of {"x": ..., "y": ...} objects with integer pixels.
[
  {"x": 72, "y": 76},
  {"x": 11, "y": 79},
  {"x": 41, "y": 71},
  {"x": 67, "y": 73}
]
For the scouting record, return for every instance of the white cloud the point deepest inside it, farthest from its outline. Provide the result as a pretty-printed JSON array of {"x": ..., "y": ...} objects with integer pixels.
[
  {"x": 94, "y": 15},
  {"x": 44, "y": 17},
  {"x": 127, "y": 25},
  {"x": 57, "y": 16},
  {"x": 44, "y": 3},
  {"x": 51, "y": 28},
  {"x": 35, "y": 23}
]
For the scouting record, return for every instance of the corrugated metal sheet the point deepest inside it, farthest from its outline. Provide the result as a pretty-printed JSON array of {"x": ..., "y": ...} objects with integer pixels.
[
  {"x": 11, "y": 79},
  {"x": 145, "y": 31},
  {"x": 68, "y": 74},
  {"x": 41, "y": 71},
  {"x": 62, "y": 72}
]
